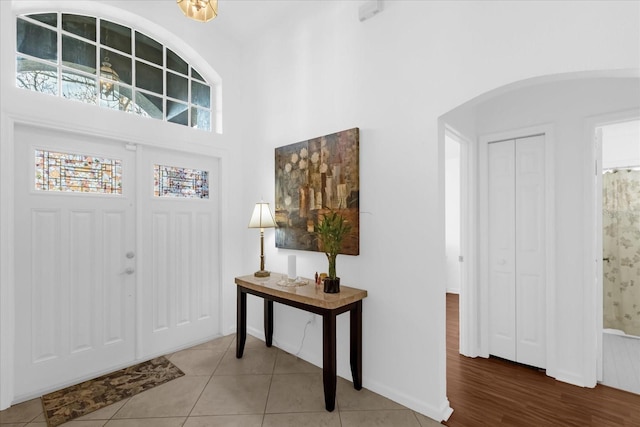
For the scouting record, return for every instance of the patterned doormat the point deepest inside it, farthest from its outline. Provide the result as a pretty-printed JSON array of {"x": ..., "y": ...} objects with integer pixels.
[{"x": 81, "y": 399}]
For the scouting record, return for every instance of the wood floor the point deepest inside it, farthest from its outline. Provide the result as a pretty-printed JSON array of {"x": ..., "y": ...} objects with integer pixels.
[{"x": 494, "y": 392}]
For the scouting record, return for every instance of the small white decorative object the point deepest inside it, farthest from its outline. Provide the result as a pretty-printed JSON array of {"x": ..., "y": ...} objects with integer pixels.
[{"x": 292, "y": 268}]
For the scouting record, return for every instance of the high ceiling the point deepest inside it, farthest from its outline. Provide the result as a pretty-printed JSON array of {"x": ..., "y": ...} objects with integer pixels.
[
  {"x": 242, "y": 20},
  {"x": 239, "y": 20}
]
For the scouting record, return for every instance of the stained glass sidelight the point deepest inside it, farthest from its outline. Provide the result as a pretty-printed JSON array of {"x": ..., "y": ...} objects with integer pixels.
[
  {"x": 77, "y": 173},
  {"x": 173, "y": 181}
]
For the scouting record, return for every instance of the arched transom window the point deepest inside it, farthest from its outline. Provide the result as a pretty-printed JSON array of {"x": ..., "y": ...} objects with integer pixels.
[{"x": 100, "y": 62}]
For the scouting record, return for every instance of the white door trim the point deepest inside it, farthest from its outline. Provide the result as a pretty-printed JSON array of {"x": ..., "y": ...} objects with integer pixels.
[
  {"x": 482, "y": 302},
  {"x": 468, "y": 224},
  {"x": 7, "y": 288},
  {"x": 593, "y": 311}
]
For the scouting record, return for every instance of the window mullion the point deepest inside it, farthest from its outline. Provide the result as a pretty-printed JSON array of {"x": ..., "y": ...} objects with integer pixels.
[
  {"x": 59, "y": 53},
  {"x": 164, "y": 84},
  {"x": 134, "y": 71},
  {"x": 189, "y": 121},
  {"x": 98, "y": 61}
]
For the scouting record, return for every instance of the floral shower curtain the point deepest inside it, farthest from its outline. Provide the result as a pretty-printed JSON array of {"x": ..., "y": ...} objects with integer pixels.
[{"x": 621, "y": 250}]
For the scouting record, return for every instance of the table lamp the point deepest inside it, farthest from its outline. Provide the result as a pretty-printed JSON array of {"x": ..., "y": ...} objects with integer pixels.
[{"x": 262, "y": 218}]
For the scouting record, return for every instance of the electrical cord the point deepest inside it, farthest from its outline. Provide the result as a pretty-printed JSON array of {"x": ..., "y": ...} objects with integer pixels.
[{"x": 304, "y": 334}]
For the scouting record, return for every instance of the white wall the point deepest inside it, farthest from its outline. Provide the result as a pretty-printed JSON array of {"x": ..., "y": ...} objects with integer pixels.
[
  {"x": 621, "y": 144},
  {"x": 393, "y": 76}
]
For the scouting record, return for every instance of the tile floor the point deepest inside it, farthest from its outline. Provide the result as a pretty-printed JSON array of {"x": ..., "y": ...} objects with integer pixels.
[{"x": 266, "y": 388}]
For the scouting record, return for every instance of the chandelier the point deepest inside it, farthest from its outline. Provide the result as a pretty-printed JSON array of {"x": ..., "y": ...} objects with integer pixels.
[
  {"x": 199, "y": 10},
  {"x": 108, "y": 79}
]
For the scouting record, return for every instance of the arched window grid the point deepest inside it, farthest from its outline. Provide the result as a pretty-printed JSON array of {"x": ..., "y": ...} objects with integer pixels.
[{"x": 132, "y": 96}]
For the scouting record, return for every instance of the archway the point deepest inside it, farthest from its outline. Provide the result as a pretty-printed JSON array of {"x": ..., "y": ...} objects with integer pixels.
[{"x": 571, "y": 354}]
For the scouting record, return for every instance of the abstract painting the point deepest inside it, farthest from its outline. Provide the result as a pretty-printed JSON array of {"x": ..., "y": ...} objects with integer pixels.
[{"x": 314, "y": 177}]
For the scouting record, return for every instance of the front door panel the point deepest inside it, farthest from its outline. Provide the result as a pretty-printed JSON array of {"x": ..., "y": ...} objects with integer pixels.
[
  {"x": 75, "y": 285},
  {"x": 180, "y": 287}
]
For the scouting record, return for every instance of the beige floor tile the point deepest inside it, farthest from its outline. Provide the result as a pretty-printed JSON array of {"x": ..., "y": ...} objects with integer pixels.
[
  {"x": 197, "y": 362},
  {"x": 255, "y": 360},
  {"x": 426, "y": 421},
  {"x": 40, "y": 418},
  {"x": 173, "y": 399},
  {"x": 84, "y": 423},
  {"x": 251, "y": 342},
  {"x": 266, "y": 388},
  {"x": 309, "y": 419},
  {"x": 105, "y": 413},
  {"x": 22, "y": 412},
  {"x": 350, "y": 399},
  {"x": 397, "y": 418},
  {"x": 147, "y": 422},
  {"x": 290, "y": 364},
  {"x": 225, "y": 421},
  {"x": 233, "y": 395},
  {"x": 222, "y": 344},
  {"x": 296, "y": 393}
]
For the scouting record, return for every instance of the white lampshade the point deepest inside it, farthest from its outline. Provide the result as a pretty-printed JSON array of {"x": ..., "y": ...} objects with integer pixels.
[
  {"x": 199, "y": 10},
  {"x": 262, "y": 217}
]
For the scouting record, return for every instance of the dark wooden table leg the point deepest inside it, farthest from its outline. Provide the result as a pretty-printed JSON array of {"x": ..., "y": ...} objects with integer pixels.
[
  {"x": 241, "y": 322},
  {"x": 268, "y": 321},
  {"x": 329, "y": 359},
  {"x": 356, "y": 345}
]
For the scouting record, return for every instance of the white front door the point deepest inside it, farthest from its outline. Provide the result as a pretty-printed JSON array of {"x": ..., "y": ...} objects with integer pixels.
[
  {"x": 517, "y": 245},
  {"x": 179, "y": 251},
  {"x": 74, "y": 258}
]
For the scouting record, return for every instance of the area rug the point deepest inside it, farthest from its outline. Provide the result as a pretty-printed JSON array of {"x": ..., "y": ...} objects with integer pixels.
[{"x": 81, "y": 399}]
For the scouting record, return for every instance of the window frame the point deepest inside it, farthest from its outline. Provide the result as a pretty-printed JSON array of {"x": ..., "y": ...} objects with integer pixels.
[{"x": 136, "y": 104}]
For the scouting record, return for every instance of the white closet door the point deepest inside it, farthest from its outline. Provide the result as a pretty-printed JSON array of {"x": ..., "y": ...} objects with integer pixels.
[
  {"x": 530, "y": 251},
  {"x": 517, "y": 268},
  {"x": 502, "y": 267}
]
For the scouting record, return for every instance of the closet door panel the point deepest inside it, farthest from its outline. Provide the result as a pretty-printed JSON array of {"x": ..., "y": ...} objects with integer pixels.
[
  {"x": 530, "y": 251},
  {"x": 502, "y": 302}
]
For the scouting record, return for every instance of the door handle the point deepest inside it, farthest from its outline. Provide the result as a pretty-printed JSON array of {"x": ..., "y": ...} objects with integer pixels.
[
  {"x": 129, "y": 270},
  {"x": 130, "y": 255}
]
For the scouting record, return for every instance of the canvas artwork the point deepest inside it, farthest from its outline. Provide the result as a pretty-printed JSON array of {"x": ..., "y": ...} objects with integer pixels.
[{"x": 314, "y": 177}]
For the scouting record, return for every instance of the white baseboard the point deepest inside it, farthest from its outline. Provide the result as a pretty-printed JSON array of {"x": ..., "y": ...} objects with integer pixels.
[
  {"x": 570, "y": 378},
  {"x": 438, "y": 413}
]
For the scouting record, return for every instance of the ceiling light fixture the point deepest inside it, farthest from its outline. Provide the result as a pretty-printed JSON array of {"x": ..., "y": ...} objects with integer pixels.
[
  {"x": 199, "y": 10},
  {"x": 108, "y": 79}
]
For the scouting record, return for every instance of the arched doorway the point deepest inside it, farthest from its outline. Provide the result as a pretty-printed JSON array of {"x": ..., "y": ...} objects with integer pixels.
[{"x": 562, "y": 104}]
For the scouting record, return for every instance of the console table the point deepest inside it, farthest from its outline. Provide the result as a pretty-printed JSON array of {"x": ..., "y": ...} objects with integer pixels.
[{"x": 310, "y": 298}]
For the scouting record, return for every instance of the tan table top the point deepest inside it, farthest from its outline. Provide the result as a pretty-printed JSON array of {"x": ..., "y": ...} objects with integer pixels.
[{"x": 310, "y": 293}]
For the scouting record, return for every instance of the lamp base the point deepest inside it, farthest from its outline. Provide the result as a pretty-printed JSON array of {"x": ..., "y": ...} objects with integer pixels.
[{"x": 262, "y": 273}]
